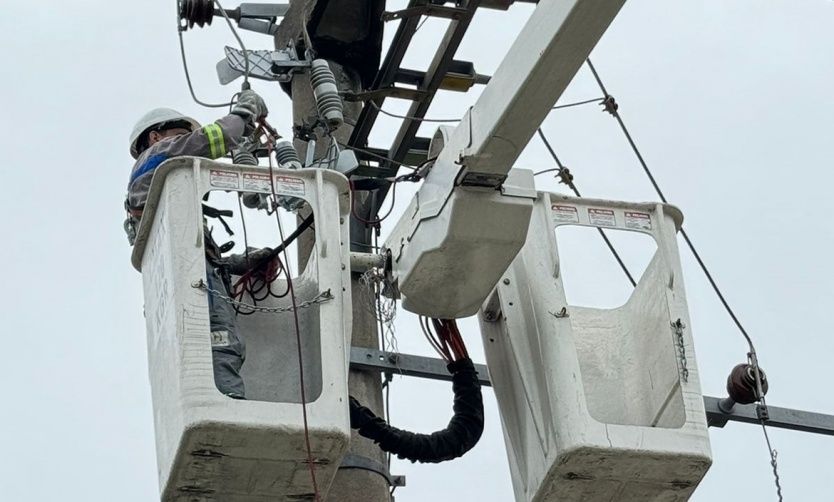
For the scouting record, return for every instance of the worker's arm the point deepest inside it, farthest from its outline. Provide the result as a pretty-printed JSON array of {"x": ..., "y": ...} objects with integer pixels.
[{"x": 212, "y": 141}]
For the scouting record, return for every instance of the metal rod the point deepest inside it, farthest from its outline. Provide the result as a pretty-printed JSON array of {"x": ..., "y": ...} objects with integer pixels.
[
  {"x": 362, "y": 262},
  {"x": 435, "y": 369}
]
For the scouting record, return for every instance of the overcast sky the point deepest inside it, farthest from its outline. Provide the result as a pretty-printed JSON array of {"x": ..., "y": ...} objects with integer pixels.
[{"x": 730, "y": 103}]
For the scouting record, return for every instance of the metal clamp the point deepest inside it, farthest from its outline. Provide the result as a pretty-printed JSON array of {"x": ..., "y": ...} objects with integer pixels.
[{"x": 351, "y": 461}]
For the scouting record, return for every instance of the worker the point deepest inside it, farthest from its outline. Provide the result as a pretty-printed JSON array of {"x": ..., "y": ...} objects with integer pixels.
[{"x": 162, "y": 134}]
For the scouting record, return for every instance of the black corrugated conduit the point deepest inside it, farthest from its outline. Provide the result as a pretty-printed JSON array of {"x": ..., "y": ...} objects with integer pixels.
[{"x": 460, "y": 436}]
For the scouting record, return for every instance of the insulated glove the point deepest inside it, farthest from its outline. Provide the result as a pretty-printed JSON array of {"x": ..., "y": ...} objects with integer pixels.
[
  {"x": 250, "y": 106},
  {"x": 239, "y": 264},
  {"x": 256, "y": 256}
]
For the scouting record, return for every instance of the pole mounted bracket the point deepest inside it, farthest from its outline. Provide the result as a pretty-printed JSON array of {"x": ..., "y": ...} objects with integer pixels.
[{"x": 274, "y": 66}]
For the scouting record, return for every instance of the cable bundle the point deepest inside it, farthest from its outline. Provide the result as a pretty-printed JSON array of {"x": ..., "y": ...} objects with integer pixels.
[
  {"x": 258, "y": 282},
  {"x": 465, "y": 427},
  {"x": 445, "y": 338}
]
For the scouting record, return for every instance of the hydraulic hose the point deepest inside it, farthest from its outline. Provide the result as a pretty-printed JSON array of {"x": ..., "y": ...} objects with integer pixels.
[{"x": 460, "y": 436}]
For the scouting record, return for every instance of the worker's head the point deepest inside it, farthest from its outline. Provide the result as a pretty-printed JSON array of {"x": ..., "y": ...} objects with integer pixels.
[{"x": 157, "y": 125}]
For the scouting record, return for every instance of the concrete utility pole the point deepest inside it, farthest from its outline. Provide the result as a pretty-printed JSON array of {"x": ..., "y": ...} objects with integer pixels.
[{"x": 350, "y": 484}]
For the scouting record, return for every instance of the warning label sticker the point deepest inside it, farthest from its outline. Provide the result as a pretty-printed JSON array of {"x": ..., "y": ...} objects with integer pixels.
[
  {"x": 225, "y": 179},
  {"x": 285, "y": 185},
  {"x": 255, "y": 182},
  {"x": 602, "y": 217},
  {"x": 639, "y": 221},
  {"x": 565, "y": 214}
]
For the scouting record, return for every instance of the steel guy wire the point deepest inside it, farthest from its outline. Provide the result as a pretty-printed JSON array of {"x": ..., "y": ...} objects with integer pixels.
[
  {"x": 657, "y": 189},
  {"x": 578, "y": 103},
  {"x": 570, "y": 183},
  {"x": 752, "y": 356},
  {"x": 773, "y": 454}
]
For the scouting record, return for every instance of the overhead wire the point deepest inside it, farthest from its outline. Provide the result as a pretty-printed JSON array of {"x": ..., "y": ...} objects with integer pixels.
[
  {"x": 188, "y": 77},
  {"x": 409, "y": 117},
  {"x": 180, "y": 29},
  {"x": 612, "y": 108},
  {"x": 569, "y": 181},
  {"x": 578, "y": 103},
  {"x": 376, "y": 156},
  {"x": 378, "y": 219},
  {"x": 240, "y": 41},
  {"x": 660, "y": 194}
]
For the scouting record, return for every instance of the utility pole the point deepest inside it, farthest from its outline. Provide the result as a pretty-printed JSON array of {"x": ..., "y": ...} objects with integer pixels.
[{"x": 350, "y": 484}]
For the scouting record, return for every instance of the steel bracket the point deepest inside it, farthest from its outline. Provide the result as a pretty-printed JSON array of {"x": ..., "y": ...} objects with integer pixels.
[
  {"x": 435, "y": 369},
  {"x": 351, "y": 461},
  {"x": 276, "y": 66}
]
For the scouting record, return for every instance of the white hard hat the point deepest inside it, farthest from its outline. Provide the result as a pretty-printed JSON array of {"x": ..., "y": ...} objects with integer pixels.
[{"x": 156, "y": 117}]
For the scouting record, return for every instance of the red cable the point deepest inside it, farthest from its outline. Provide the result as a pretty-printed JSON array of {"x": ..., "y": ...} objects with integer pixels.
[{"x": 297, "y": 335}]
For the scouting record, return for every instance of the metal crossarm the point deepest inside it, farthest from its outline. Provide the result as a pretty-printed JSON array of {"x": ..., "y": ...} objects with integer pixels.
[{"x": 435, "y": 369}]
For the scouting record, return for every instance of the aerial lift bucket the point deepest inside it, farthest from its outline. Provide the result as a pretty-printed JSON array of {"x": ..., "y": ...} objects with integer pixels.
[
  {"x": 211, "y": 447},
  {"x": 597, "y": 404}
]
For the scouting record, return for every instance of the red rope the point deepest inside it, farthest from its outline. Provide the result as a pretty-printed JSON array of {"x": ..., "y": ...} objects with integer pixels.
[{"x": 297, "y": 329}]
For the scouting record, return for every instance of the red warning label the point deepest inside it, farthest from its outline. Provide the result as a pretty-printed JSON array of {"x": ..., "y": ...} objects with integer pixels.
[
  {"x": 639, "y": 221},
  {"x": 602, "y": 217},
  {"x": 565, "y": 214}
]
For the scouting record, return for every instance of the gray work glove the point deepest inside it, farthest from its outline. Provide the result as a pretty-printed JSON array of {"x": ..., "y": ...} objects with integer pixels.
[
  {"x": 238, "y": 264},
  {"x": 260, "y": 254},
  {"x": 250, "y": 107}
]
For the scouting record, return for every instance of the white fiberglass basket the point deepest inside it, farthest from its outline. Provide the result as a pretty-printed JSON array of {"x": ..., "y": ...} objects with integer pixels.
[
  {"x": 211, "y": 447},
  {"x": 597, "y": 404}
]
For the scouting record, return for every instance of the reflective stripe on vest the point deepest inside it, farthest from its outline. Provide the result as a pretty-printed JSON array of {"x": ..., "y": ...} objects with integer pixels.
[{"x": 217, "y": 144}]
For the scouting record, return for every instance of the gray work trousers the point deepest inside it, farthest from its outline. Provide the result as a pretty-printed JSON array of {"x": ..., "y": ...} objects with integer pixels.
[{"x": 227, "y": 347}]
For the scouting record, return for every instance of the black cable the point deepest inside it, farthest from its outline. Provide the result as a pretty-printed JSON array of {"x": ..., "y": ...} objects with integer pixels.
[
  {"x": 576, "y": 191},
  {"x": 461, "y": 435},
  {"x": 289, "y": 240},
  {"x": 376, "y": 156}
]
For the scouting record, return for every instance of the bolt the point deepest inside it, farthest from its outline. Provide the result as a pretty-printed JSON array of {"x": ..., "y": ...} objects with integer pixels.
[
  {"x": 342, "y": 221},
  {"x": 506, "y": 281},
  {"x": 343, "y": 266}
]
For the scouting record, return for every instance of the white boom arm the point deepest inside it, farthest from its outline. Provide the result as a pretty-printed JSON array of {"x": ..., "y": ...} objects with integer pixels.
[{"x": 470, "y": 217}]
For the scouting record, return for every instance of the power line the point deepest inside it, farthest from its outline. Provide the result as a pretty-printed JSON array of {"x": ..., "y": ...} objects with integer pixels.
[
  {"x": 578, "y": 103},
  {"x": 562, "y": 169},
  {"x": 612, "y": 108},
  {"x": 181, "y": 28},
  {"x": 615, "y": 112},
  {"x": 408, "y": 117}
]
